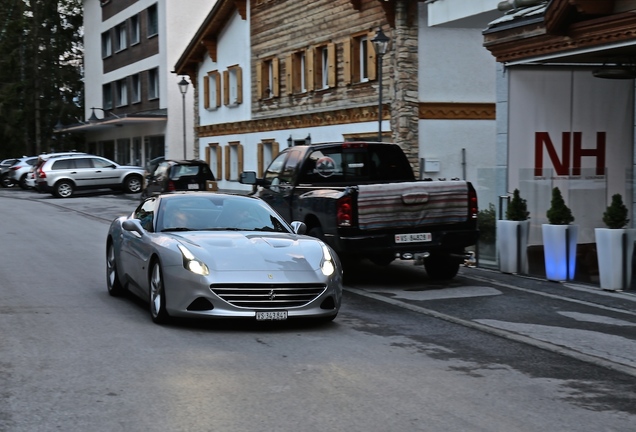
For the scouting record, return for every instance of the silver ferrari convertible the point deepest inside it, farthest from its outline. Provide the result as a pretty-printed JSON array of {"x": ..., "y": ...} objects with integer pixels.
[{"x": 213, "y": 255}]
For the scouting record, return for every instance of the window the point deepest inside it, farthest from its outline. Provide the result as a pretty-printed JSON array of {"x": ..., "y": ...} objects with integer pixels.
[
  {"x": 212, "y": 90},
  {"x": 153, "y": 20},
  {"x": 266, "y": 152},
  {"x": 214, "y": 158},
  {"x": 233, "y": 161},
  {"x": 233, "y": 85},
  {"x": 122, "y": 153},
  {"x": 121, "y": 90},
  {"x": 267, "y": 73},
  {"x": 325, "y": 66},
  {"x": 120, "y": 37},
  {"x": 153, "y": 84},
  {"x": 107, "y": 45},
  {"x": 297, "y": 72},
  {"x": 107, "y": 96},
  {"x": 134, "y": 29},
  {"x": 135, "y": 89},
  {"x": 359, "y": 58}
]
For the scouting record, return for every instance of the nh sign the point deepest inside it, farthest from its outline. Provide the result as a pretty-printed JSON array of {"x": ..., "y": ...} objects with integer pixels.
[{"x": 572, "y": 153}]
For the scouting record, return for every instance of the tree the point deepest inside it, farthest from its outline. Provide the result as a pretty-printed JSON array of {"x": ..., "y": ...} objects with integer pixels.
[{"x": 40, "y": 74}]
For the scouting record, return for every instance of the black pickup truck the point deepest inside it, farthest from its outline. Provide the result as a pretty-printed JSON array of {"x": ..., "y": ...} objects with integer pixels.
[{"x": 362, "y": 199}]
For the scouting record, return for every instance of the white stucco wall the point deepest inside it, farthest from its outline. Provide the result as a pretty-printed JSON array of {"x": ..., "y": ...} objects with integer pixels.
[
  {"x": 456, "y": 68},
  {"x": 233, "y": 48}
]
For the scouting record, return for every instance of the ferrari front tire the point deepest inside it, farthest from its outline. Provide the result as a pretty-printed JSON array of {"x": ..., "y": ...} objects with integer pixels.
[{"x": 158, "y": 311}]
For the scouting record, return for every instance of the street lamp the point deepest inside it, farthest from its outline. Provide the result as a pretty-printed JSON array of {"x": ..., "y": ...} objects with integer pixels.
[
  {"x": 380, "y": 44},
  {"x": 183, "y": 88}
]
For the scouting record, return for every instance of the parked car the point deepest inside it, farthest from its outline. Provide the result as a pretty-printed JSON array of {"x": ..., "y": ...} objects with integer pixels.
[
  {"x": 62, "y": 176},
  {"x": 5, "y": 180},
  {"x": 43, "y": 158},
  {"x": 213, "y": 255},
  {"x": 18, "y": 171},
  {"x": 178, "y": 175}
]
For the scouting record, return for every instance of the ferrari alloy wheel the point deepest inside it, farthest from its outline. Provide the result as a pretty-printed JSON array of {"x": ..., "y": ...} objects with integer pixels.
[
  {"x": 115, "y": 287},
  {"x": 157, "y": 296}
]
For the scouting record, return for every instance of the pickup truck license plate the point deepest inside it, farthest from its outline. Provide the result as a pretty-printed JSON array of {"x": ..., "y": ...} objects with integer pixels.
[
  {"x": 193, "y": 186},
  {"x": 413, "y": 238},
  {"x": 271, "y": 316}
]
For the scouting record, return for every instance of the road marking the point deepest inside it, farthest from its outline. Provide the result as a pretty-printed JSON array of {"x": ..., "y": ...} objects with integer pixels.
[{"x": 547, "y": 346}]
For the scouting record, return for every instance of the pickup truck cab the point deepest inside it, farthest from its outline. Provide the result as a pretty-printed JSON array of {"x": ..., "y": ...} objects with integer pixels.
[{"x": 363, "y": 200}]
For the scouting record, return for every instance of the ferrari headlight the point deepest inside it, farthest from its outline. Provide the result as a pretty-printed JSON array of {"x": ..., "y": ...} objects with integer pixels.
[
  {"x": 327, "y": 266},
  {"x": 191, "y": 263}
]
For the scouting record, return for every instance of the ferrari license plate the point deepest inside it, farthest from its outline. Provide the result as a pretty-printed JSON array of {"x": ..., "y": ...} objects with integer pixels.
[
  {"x": 193, "y": 186},
  {"x": 413, "y": 238},
  {"x": 271, "y": 316}
]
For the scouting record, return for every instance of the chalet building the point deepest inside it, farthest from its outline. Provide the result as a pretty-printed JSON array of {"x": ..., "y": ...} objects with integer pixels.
[
  {"x": 565, "y": 112},
  {"x": 134, "y": 109},
  {"x": 268, "y": 74}
]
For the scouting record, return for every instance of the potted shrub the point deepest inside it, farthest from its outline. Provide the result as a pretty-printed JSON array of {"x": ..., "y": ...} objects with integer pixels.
[
  {"x": 487, "y": 222},
  {"x": 614, "y": 247},
  {"x": 512, "y": 236},
  {"x": 559, "y": 240}
]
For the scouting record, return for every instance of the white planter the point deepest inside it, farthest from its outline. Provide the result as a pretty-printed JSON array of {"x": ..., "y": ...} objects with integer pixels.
[
  {"x": 560, "y": 258},
  {"x": 512, "y": 246},
  {"x": 613, "y": 260}
]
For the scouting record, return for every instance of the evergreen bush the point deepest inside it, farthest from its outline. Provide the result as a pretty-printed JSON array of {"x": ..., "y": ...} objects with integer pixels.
[
  {"x": 487, "y": 224},
  {"x": 615, "y": 217},
  {"x": 559, "y": 213},
  {"x": 518, "y": 208}
]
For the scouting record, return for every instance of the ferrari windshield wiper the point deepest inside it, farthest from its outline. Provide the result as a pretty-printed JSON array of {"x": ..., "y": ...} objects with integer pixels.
[{"x": 176, "y": 229}]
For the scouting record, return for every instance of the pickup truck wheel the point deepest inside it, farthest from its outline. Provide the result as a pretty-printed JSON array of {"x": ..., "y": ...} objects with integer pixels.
[{"x": 441, "y": 267}]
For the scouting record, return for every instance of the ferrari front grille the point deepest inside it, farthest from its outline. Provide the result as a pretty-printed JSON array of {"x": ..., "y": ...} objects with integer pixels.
[{"x": 268, "y": 296}]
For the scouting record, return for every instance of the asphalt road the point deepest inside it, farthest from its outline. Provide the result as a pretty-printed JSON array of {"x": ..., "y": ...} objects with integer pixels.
[{"x": 485, "y": 352}]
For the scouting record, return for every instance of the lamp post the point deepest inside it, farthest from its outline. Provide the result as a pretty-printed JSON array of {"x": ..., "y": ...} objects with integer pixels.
[
  {"x": 380, "y": 44},
  {"x": 183, "y": 88}
]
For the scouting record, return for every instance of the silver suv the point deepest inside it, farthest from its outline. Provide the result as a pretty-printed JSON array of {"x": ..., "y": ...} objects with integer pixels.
[
  {"x": 19, "y": 170},
  {"x": 61, "y": 176}
]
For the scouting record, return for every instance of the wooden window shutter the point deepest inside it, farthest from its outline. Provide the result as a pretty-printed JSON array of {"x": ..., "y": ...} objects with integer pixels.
[
  {"x": 259, "y": 79},
  {"x": 208, "y": 149},
  {"x": 275, "y": 149},
  {"x": 310, "y": 66},
  {"x": 331, "y": 56},
  {"x": 219, "y": 162},
  {"x": 372, "y": 66},
  {"x": 228, "y": 155},
  {"x": 239, "y": 85},
  {"x": 347, "y": 61},
  {"x": 288, "y": 74},
  {"x": 206, "y": 92},
  {"x": 259, "y": 159},
  {"x": 239, "y": 152},
  {"x": 217, "y": 79},
  {"x": 275, "y": 72},
  {"x": 226, "y": 87}
]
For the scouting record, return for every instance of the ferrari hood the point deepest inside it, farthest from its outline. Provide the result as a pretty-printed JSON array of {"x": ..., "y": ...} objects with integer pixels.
[{"x": 249, "y": 251}]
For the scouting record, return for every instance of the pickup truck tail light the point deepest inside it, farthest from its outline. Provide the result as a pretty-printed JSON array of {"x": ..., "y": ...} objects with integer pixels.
[
  {"x": 472, "y": 203},
  {"x": 344, "y": 212},
  {"x": 171, "y": 186}
]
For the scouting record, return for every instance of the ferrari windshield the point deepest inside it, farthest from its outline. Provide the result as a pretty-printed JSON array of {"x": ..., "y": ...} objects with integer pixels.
[{"x": 216, "y": 212}]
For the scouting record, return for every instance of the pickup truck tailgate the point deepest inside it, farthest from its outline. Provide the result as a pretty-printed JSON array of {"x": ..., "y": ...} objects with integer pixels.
[{"x": 412, "y": 204}]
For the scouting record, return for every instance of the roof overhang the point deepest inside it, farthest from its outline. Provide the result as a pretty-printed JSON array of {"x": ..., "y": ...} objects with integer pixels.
[
  {"x": 113, "y": 122},
  {"x": 566, "y": 31}
]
